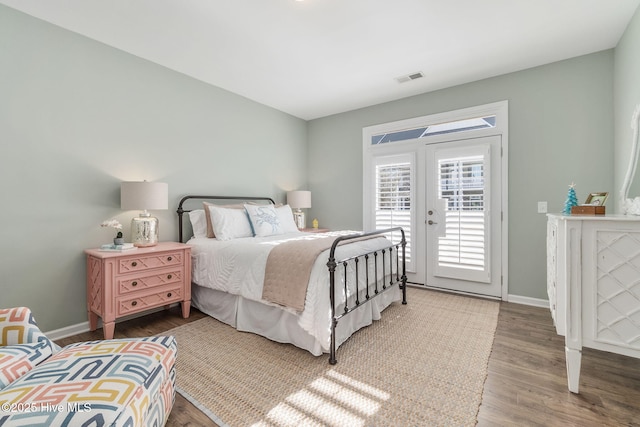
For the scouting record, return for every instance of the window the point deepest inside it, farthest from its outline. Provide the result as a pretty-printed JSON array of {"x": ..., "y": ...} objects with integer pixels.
[
  {"x": 462, "y": 184},
  {"x": 436, "y": 129},
  {"x": 395, "y": 153},
  {"x": 394, "y": 197}
]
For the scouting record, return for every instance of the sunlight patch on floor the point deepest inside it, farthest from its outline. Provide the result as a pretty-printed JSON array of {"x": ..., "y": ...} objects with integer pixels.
[{"x": 333, "y": 399}]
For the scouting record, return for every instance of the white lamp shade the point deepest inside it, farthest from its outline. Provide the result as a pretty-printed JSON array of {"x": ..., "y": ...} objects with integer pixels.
[
  {"x": 299, "y": 199},
  {"x": 144, "y": 196}
]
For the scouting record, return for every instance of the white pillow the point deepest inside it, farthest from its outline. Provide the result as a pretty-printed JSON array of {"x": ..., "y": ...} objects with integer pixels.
[
  {"x": 230, "y": 223},
  {"x": 264, "y": 219},
  {"x": 285, "y": 215},
  {"x": 198, "y": 223}
]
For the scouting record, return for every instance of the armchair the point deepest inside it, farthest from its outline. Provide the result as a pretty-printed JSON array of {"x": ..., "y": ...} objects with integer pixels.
[
  {"x": 120, "y": 382},
  {"x": 22, "y": 344}
]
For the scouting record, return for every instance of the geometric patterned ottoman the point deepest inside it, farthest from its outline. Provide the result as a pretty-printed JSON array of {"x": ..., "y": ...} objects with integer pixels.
[{"x": 120, "y": 382}]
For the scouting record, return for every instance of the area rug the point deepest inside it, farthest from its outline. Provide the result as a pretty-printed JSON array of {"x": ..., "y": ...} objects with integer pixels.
[{"x": 424, "y": 363}]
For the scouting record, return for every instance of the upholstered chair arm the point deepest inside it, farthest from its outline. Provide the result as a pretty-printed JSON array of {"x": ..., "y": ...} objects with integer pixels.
[
  {"x": 22, "y": 345},
  {"x": 18, "y": 326}
]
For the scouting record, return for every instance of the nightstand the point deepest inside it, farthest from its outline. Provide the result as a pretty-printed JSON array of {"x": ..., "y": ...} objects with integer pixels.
[
  {"x": 314, "y": 230},
  {"x": 132, "y": 281}
]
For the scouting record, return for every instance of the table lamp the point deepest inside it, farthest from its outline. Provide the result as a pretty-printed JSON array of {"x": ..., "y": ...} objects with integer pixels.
[
  {"x": 299, "y": 200},
  {"x": 144, "y": 196}
]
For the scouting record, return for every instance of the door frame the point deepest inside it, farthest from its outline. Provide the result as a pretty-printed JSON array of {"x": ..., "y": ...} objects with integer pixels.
[
  {"x": 500, "y": 110},
  {"x": 490, "y": 148}
]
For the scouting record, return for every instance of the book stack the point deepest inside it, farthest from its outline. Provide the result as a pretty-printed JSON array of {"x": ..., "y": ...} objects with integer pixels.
[{"x": 117, "y": 248}]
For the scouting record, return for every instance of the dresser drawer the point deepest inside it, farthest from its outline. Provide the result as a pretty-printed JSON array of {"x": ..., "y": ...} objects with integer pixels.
[
  {"x": 134, "y": 263},
  {"x": 131, "y": 282},
  {"x": 135, "y": 283},
  {"x": 136, "y": 302}
]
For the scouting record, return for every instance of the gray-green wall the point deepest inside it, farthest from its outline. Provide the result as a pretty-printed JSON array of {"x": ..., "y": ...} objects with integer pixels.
[
  {"x": 627, "y": 96},
  {"x": 560, "y": 131},
  {"x": 76, "y": 119}
]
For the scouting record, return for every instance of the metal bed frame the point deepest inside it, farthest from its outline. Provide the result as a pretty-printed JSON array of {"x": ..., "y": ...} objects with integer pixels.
[{"x": 375, "y": 285}]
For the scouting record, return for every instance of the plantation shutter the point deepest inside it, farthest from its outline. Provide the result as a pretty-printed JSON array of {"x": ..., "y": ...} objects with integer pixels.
[
  {"x": 394, "y": 197},
  {"x": 462, "y": 184}
]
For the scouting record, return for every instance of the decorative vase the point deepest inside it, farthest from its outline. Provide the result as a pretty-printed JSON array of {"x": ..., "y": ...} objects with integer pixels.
[{"x": 118, "y": 241}]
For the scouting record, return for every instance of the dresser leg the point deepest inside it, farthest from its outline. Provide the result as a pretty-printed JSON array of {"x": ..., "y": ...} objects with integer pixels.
[
  {"x": 574, "y": 359},
  {"x": 186, "y": 308},
  {"x": 93, "y": 321},
  {"x": 108, "y": 329}
]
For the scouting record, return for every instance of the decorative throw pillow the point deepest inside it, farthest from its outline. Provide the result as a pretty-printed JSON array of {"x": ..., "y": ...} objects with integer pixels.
[
  {"x": 287, "y": 223},
  {"x": 264, "y": 220},
  {"x": 198, "y": 223},
  {"x": 230, "y": 223},
  {"x": 207, "y": 215}
]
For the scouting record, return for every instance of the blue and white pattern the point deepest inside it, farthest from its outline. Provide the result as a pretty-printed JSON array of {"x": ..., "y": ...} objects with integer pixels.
[{"x": 264, "y": 220}]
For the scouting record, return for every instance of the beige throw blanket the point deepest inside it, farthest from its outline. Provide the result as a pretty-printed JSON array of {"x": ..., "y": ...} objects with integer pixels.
[
  {"x": 289, "y": 267},
  {"x": 288, "y": 270}
]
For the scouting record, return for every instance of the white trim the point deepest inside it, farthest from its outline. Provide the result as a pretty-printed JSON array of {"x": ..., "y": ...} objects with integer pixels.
[
  {"x": 534, "y": 302},
  {"x": 495, "y": 108},
  {"x": 68, "y": 331},
  {"x": 79, "y": 328},
  {"x": 499, "y": 109},
  {"x": 514, "y": 299}
]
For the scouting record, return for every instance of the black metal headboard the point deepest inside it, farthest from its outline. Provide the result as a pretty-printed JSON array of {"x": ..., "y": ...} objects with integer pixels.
[{"x": 181, "y": 210}]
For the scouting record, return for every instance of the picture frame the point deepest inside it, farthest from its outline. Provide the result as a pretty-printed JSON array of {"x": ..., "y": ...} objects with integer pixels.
[{"x": 597, "y": 199}]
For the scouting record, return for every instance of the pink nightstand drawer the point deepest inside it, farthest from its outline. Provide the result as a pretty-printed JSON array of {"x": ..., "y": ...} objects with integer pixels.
[
  {"x": 136, "y": 263},
  {"x": 127, "y": 284},
  {"x": 134, "y": 281},
  {"x": 135, "y": 303}
]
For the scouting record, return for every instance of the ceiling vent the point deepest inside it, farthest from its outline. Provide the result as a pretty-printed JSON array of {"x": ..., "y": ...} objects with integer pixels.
[{"x": 409, "y": 77}]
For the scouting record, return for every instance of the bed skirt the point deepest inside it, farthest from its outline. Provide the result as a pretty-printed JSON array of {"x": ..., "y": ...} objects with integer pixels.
[{"x": 282, "y": 326}]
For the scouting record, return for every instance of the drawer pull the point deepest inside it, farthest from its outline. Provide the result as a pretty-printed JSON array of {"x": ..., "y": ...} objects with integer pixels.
[
  {"x": 134, "y": 303},
  {"x": 133, "y": 264},
  {"x": 169, "y": 276},
  {"x": 169, "y": 295},
  {"x": 134, "y": 283},
  {"x": 169, "y": 258}
]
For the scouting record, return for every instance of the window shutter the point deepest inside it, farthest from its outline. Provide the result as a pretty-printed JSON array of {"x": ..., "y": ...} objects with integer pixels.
[
  {"x": 394, "y": 200},
  {"x": 462, "y": 184}
]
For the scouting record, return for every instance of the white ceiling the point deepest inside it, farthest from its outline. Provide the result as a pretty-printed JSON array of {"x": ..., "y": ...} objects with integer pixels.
[{"x": 315, "y": 58}]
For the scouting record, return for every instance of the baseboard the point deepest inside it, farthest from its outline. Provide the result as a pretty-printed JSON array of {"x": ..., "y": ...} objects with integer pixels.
[
  {"x": 80, "y": 328},
  {"x": 68, "y": 331},
  {"x": 535, "y": 302},
  {"x": 516, "y": 299}
]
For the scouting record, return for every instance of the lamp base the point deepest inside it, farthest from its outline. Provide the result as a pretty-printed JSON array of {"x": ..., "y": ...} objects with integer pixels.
[
  {"x": 299, "y": 219},
  {"x": 144, "y": 230}
]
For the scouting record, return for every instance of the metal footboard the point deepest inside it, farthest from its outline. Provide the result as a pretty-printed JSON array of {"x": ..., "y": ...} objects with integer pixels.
[{"x": 381, "y": 259}]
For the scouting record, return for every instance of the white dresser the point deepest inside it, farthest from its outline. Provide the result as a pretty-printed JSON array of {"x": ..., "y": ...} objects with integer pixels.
[{"x": 593, "y": 282}]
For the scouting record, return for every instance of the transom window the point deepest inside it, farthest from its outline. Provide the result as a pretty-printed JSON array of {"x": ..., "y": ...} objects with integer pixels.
[{"x": 437, "y": 129}]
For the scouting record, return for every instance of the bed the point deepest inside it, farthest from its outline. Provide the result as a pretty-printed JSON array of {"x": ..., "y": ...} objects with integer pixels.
[{"x": 312, "y": 290}]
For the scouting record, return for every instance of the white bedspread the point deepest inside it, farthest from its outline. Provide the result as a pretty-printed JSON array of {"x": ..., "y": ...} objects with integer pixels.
[{"x": 238, "y": 267}]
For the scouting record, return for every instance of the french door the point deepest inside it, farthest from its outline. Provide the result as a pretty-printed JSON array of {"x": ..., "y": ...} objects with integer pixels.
[{"x": 463, "y": 215}]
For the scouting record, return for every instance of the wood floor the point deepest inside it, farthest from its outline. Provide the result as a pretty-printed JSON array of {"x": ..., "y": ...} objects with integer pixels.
[{"x": 526, "y": 384}]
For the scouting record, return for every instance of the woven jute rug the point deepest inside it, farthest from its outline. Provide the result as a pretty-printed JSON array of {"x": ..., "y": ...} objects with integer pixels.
[{"x": 422, "y": 364}]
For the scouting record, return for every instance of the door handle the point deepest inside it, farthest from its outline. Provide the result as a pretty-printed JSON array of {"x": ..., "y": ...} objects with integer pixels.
[{"x": 431, "y": 222}]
